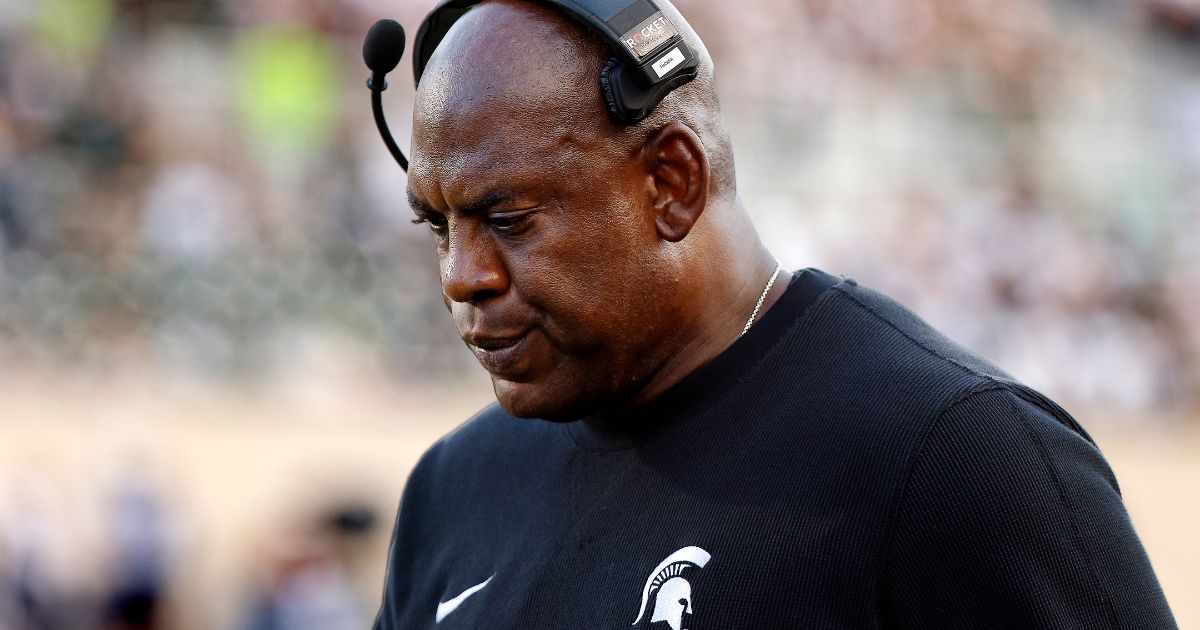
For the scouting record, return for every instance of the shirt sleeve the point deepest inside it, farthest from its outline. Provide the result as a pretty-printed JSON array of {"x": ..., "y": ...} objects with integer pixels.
[{"x": 1011, "y": 518}]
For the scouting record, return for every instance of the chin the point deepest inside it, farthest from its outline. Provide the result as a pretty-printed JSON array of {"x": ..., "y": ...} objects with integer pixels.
[{"x": 542, "y": 401}]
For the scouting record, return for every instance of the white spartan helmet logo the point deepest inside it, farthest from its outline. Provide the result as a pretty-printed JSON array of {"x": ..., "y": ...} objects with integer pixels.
[{"x": 673, "y": 594}]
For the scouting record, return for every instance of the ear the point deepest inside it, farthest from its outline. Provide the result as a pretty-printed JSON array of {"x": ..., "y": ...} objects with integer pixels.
[{"x": 678, "y": 169}]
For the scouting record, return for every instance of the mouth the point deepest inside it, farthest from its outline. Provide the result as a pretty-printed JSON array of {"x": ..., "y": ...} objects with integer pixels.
[{"x": 500, "y": 355}]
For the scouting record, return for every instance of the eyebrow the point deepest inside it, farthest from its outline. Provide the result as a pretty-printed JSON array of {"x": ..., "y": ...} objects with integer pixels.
[
  {"x": 490, "y": 199},
  {"x": 419, "y": 206}
]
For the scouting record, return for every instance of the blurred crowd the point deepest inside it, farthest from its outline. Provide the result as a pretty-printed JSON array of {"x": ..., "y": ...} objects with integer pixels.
[
  {"x": 193, "y": 189},
  {"x": 125, "y": 564},
  {"x": 1022, "y": 174}
]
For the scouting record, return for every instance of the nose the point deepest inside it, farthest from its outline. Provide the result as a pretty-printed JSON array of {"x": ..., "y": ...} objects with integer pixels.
[{"x": 471, "y": 268}]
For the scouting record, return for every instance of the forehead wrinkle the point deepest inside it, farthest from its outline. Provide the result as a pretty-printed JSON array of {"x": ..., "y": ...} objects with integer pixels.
[
  {"x": 484, "y": 174},
  {"x": 461, "y": 162}
]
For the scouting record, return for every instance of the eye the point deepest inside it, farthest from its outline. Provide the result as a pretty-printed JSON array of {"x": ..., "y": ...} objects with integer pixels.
[
  {"x": 436, "y": 222},
  {"x": 509, "y": 223}
]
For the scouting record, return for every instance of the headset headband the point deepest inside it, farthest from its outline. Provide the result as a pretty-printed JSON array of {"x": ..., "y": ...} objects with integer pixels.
[{"x": 649, "y": 57}]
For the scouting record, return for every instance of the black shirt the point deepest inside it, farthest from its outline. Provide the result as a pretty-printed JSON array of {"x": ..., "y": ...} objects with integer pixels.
[{"x": 842, "y": 465}]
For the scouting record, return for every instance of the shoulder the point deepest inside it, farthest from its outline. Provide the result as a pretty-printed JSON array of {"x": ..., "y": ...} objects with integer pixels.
[
  {"x": 488, "y": 438},
  {"x": 912, "y": 348},
  {"x": 1007, "y": 433},
  {"x": 489, "y": 425},
  {"x": 491, "y": 449},
  {"x": 875, "y": 344},
  {"x": 971, "y": 428},
  {"x": 885, "y": 379},
  {"x": 867, "y": 356},
  {"x": 878, "y": 318}
]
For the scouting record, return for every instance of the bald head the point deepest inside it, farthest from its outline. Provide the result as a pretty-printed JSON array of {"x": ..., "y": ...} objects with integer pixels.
[
  {"x": 588, "y": 264},
  {"x": 517, "y": 65}
]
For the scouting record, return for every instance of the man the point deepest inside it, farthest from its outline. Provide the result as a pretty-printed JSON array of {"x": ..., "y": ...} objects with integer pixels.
[{"x": 686, "y": 436}]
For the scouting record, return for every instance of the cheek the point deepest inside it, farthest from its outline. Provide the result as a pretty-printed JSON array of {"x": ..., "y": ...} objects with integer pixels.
[{"x": 591, "y": 277}]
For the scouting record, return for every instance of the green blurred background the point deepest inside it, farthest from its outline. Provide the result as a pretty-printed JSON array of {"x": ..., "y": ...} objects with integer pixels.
[{"x": 222, "y": 343}]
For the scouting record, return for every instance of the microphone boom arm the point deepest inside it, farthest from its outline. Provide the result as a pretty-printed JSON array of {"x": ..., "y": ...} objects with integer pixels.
[{"x": 377, "y": 85}]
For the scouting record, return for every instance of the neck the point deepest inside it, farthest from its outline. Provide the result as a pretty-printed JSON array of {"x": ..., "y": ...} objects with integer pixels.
[{"x": 730, "y": 278}]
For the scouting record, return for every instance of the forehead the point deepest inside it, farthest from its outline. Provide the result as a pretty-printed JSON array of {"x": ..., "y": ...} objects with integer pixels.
[
  {"x": 464, "y": 151},
  {"x": 512, "y": 90}
]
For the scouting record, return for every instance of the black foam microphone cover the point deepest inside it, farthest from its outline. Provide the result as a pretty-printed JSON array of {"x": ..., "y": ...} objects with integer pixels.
[{"x": 384, "y": 46}]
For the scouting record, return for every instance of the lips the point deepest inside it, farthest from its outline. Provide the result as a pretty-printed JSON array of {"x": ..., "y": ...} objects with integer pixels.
[{"x": 500, "y": 355}]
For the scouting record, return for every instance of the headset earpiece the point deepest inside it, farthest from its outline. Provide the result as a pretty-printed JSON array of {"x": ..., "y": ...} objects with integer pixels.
[
  {"x": 649, "y": 57},
  {"x": 629, "y": 102}
]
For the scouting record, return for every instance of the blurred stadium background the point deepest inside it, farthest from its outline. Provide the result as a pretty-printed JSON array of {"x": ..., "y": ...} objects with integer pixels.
[{"x": 221, "y": 341}]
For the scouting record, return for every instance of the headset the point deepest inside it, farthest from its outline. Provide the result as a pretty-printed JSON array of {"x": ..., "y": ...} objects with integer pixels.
[{"x": 649, "y": 57}]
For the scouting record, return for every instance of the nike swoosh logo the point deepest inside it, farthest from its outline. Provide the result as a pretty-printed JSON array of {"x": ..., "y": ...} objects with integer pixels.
[{"x": 445, "y": 608}]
